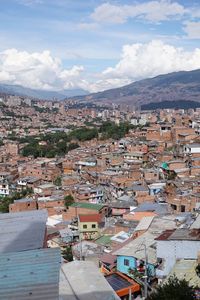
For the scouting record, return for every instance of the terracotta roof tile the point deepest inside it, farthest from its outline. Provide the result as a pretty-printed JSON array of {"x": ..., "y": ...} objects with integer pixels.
[{"x": 90, "y": 218}]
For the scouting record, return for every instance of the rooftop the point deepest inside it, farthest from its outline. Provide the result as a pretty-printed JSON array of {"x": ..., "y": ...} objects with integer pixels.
[
  {"x": 104, "y": 240},
  {"x": 22, "y": 230},
  {"x": 144, "y": 223},
  {"x": 119, "y": 282},
  {"x": 88, "y": 205},
  {"x": 185, "y": 269},
  {"x": 180, "y": 234},
  {"x": 196, "y": 223},
  {"x": 135, "y": 248},
  {"x": 158, "y": 208},
  {"x": 30, "y": 274},
  {"x": 90, "y": 218},
  {"x": 82, "y": 280}
]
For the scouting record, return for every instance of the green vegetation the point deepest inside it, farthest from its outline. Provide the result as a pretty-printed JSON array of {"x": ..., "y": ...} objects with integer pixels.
[
  {"x": 42, "y": 109},
  {"x": 114, "y": 131},
  {"x": 57, "y": 144},
  {"x": 60, "y": 143},
  {"x": 84, "y": 134},
  {"x": 67, "y": 253},
  {"x": 6, "y": 201},
  {"x": 58, "y": 181},
  {"x": 197, "y": 269},
  {"x": 69, "y": 200},
  {"x": 173, "y": 289}
]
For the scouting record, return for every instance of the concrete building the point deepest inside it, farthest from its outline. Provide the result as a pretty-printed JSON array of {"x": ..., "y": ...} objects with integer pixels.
[
  {"x": 173, "y": 245},
  {"x": 81, "y": 280}
]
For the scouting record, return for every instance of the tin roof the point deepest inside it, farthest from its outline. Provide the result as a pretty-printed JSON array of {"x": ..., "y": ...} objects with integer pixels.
[
  {"x": 180, "y": 234},
  {"x": 30, "y": 274},
  {"x": 22, "y": 230},
  {"x": 135, "y": 248}
]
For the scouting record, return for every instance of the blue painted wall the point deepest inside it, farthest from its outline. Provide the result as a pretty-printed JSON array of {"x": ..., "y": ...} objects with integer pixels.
[
  {"x": 120, "y": 263},
  {"x": 121, "y": 267}
]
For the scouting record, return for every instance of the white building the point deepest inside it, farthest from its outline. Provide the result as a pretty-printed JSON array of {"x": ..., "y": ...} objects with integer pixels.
[
  {"x": 4, "y": 188},
  {"x": 192, "y": 148},
  {"x": 173, "y": 245}
]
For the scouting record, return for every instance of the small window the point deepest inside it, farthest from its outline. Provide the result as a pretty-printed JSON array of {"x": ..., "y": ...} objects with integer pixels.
[
  {"x": 182, "y": 208},
  {"x": 85, "y": 226},
  {"x": 93, "y": 225},
  {"x": 126, "y": 262}
]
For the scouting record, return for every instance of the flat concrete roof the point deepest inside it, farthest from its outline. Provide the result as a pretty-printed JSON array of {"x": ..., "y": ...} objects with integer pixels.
[{"x": 82, "y": 280}]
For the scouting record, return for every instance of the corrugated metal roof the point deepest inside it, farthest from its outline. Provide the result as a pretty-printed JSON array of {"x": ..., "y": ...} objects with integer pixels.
[
  {"x": 31, "y": 275},
  {"x": 22, "y": 231},
  {"x": 135, "y": 248}
]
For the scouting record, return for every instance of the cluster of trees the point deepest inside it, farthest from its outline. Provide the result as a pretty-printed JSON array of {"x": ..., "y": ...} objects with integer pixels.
[
  {"x": 84, "y": 134},
  {"x": 69, "y": 200},
  {"x": 173, "y": 289},
  {"x": 58, "y": 144},
  {"x": 114, "y": 131},
  {"x": 6, "y": 201}
]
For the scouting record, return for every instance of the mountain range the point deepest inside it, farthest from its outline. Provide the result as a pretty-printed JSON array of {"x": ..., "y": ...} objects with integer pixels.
[
  {"x": 39, "y": 94},
  {"x": 176, "y": 86}
]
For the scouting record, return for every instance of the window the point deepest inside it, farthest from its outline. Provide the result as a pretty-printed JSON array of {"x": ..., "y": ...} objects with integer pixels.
[
  {"x": 93, "y": 225},
  {"x": 182, "y": 208},
  {"x": 126, "y": 262},
  {"x": 85, "y": 226},
  {"x": 173, "y": 206}
]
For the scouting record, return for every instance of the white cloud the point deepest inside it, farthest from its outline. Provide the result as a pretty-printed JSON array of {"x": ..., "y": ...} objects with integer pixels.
[
  {"x": 37, "y": 70},
  {"x": 192, "y": 29},
  {"x": 153, "y": 11},
  {"x": 139, "y": 61}
]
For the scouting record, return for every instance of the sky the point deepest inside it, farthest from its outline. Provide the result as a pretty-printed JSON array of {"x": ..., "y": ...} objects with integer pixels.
[{"x": 94, "y": 44}]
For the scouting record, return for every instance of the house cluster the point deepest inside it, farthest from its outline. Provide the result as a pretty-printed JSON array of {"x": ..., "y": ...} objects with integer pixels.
[{"x": 128, "y": 209}]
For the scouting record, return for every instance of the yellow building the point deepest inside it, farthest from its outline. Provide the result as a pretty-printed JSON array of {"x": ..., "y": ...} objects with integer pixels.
[{"x": 88, "y": 226}]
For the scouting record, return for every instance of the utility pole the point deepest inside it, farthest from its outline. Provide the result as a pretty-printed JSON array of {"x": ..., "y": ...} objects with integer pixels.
[
  {"x": 145, "y": 273},
  {"x": 145, "y": 277}
]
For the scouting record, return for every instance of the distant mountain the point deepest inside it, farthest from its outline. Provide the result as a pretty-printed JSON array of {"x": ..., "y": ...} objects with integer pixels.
[
  {"x": 184, "y": 85},
  {"x": 179, "y": 104},
  {"x": 40, "y": 94}
]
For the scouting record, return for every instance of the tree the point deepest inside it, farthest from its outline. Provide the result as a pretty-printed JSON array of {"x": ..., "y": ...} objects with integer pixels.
[
  {"x": 69, "y": 199},
  {"x": 173, "y": 289},
  {"x": 67, "y": 253},
  {"x": 58, "y": 181},
  {"x": 6, "y": 201}
]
